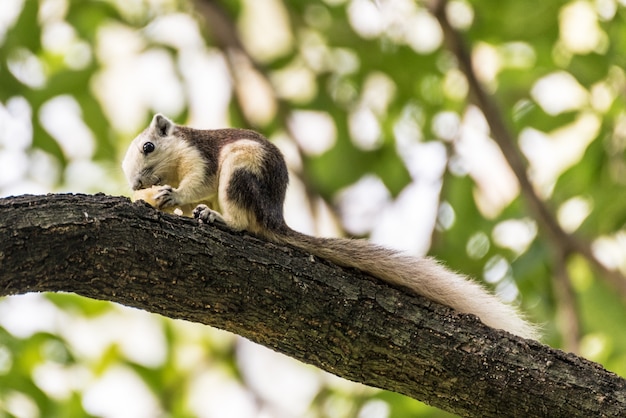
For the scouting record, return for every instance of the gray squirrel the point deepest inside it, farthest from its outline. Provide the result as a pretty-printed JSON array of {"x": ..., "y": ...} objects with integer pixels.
[{"x": 238, "y": 177}]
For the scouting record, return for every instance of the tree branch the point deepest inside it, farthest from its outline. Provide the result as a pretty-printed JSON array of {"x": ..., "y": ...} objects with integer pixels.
[{"x": 340, "y": 320}]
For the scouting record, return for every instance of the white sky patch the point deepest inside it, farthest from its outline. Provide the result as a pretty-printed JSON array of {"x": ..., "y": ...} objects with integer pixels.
[
  {"x": 206, "y": 76},
  {"x": 573, "y": 213},
  {"x": 486, "y": 62},
  {"x": 365, "y": 18},
  {"x": 365, "y": 130},
  {"x": 446, "y": 125},
  {"x": 314, "y": 50},
  {"x": 481, "y": 157},
  {"x": 559, "y": 92},
  {"x": 16, "y": 130},
  {"x": 551, "y": 154},
  {"x": 117, "y": 48},
  {"x": 601, "y": 97},
  {"x": 446, "y": 217},
  {"x": 507, "y": 290},
  {"x": 140, "y": 339},
  {"x": 146, "y": 80},
  {"x": 85, "y": 176},
  {"x": 400, "y": 20},
  {"x": 132, "y": 398},
  {"x": 20, "y": 405},
  {"x": 423, "y": 33},
  {"x": 416, "y": 209},
  {"x": 426, "y": 161},
  {"x": 309, "y": 217},
  {"x": 271, "y": 375},
  {"x": 496, "y": 269},
  {"x": 579, "y": 30},
  {"x": 515, "y": 234},
  {"x": 62, "y": 118},
  {"x": 116, "y": 42},
  {"x": 188, "y": 355},
  {"x": 297, "y": 208},
  {"x": 314, "y": 131},
  {"x": 375, "y": 408},
  {"x": 265, "y": 29},
  {"x": 344, "y": 61},
  {"x": 215, "y": 394},
  {"x": 408, "y": 128},
  {"x": 460, "y": 14},
  {"x": 319, "y": 57},
  {"x": 52, "y": 10},
  {"x": 6, "y": 360},
  {"x": 193, "y": 342},
  {"x": 361, "y": 203},
  {"x": 327, "y": 224},
  {"x": 407, "y": 222},
  {"x": 295, "y": 82},
  {"x": 59, "y": 381},
  {"x": 161, "y": 88},
  {"x": 379, "y": 91},
  {"x": 58, "y": 36},
  {"x": 9, "y": 12},
  {"x": 596, "y": 346},
  {"x": 178, "y": 30},
  {"x": 13, "y": 166},
  {"x": 24, "y": 315},
  {"x": 61, "y": 38},
  {"x": 289, "y": 149},
  {"x": 254, "y": 91},
  {"x": 606, "y": 8},
  {"x": 478, "y": 245},
  {"x": 27, "y": 68},
  {"x": 24, "y": 186},
  {"x": 611, "y": 250}
]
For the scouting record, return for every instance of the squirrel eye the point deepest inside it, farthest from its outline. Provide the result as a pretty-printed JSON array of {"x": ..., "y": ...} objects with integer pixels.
[{"x": 148, "y": 147}]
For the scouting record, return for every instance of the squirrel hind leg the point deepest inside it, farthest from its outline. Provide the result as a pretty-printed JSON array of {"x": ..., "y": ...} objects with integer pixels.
[{"x": 248, "y": 204}]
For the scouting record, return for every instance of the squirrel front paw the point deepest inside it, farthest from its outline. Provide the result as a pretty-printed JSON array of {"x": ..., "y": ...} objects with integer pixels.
[
  {"x": 166, "y": 197},
  {"x": 206, "y": 215}
]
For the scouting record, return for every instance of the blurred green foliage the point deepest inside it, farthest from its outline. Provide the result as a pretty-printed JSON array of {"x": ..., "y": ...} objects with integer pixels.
[{"x": 355, "y": 57}]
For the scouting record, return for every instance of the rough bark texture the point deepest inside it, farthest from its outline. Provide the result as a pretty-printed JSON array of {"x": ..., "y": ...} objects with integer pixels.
[{"x": 342, "y": 321}]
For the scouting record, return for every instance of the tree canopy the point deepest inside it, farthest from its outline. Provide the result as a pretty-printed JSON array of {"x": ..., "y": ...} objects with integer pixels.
[{"x": 488, "y": 134}]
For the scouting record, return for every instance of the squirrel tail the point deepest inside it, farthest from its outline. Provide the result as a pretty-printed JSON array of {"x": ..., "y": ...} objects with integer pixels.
[{"x": 423, "y": 276}]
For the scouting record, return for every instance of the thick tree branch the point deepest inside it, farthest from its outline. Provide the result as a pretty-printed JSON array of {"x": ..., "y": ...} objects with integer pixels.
[{"x": 339, "y": 320}]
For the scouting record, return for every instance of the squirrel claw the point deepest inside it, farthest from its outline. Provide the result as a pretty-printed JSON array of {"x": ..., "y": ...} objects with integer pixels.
[
  {"x": 165, "y": 197},
  {"x": 206, "y": 215}
]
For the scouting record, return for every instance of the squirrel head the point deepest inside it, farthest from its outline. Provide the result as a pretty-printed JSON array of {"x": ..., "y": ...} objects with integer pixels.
[{"x": 148, "y": 161}]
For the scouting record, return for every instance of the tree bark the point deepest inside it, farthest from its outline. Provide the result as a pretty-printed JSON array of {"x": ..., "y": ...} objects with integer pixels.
[{"x": 339, "y": 320}]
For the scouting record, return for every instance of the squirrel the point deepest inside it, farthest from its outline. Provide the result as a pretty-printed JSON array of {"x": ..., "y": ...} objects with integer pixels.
[{"x": 238, "y": 177}]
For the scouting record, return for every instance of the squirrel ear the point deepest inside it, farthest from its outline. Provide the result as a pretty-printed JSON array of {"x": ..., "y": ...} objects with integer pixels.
[{"x": 162, "y": 125}]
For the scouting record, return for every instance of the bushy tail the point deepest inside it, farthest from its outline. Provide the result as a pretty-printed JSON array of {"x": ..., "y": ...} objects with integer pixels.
[{"x": 423, "y": 276}]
